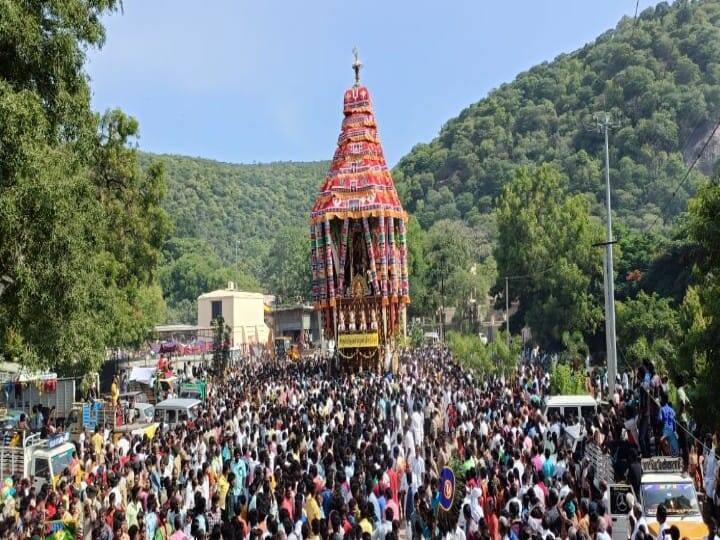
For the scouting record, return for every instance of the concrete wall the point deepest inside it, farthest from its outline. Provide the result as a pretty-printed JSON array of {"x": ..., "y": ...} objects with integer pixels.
[{"x": 205, "y": 311}]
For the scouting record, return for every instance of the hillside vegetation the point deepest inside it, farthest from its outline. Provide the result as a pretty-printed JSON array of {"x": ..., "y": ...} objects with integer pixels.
[
  {"x": 227, "y": 220},
  {"x": 657, "y": 76}
]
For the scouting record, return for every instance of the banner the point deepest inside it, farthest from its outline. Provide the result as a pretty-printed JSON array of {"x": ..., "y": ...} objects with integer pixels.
[
  {"x": 361, "y": 340},
  {"x": 447, "y": 488},
  {"x": 57, "y": 530}
]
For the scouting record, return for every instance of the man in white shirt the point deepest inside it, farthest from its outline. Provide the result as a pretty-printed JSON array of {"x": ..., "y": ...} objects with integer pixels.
[
  {"x": 416, "y": 424},
  {"x": 409, "y": 443},
  {"x": 81, "y": 442},
  {"x": 123, "y": 445},
  {"x": 476, "y": 510},
  {"x": 418, "y": 467},
  {"x": 484, "y": 429},
  {"x": 640, "y": 520},
  {"x": 711, "y": 467},
  {"x": 602, "y": 533}
]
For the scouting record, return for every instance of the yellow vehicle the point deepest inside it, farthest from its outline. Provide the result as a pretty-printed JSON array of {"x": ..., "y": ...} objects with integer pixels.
[
  {"x": 663, "y": 482},
  {"x": 135, "y": 429}
]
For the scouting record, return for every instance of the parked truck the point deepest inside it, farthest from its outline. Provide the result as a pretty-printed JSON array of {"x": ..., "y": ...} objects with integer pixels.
[
  {"x": 194, "y": 390},
  {"x": 101, "y": 413},
  {"x": 24, "y": 455},
  {"x": 24, "y": 392}
]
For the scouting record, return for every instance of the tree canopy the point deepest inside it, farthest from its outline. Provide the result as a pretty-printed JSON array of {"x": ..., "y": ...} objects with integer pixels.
[
  {"x": 698, "y": 364},
  {"x": 287, "y": 266},
  {"x": 545, "y": 238},
  {"x": 80, "y": 222},
  {"x": 233, "y": 222},
  {"x": 657, "y": 77}
]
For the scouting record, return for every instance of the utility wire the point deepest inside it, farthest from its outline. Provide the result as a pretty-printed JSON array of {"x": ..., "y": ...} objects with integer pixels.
[
  {"x": 687, "y": 173},
  {"x": 657, "y": 403},
  {"x": 532, "y": 274},
  {"x": 677, "y": 424}
]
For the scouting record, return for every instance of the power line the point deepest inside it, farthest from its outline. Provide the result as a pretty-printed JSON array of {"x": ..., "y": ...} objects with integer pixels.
[
  {"x": 687, "y": 173},
  {"x": 533, "y": 274},
  {"x": 658, "y": 404}
]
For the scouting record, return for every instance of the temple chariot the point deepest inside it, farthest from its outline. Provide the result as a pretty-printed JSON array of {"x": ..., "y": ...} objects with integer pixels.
[{"x": 359, "y": 246}]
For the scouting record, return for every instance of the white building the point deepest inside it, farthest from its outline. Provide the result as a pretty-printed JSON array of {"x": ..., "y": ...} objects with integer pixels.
[{"x": 244, "y": 313}]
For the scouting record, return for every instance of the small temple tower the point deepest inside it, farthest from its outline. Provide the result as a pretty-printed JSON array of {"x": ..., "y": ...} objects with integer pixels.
[{"x": 359, "y": 251}]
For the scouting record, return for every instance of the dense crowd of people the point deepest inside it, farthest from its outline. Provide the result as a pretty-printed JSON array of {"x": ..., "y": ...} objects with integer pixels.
[{"x": 289, "y": 451}]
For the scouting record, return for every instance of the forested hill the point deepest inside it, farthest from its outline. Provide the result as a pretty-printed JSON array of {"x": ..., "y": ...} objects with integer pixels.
[
  {"x": 228, "y": 219},
  {"x": 222, "y": 203},
  {"x": 657, "y": 75}
]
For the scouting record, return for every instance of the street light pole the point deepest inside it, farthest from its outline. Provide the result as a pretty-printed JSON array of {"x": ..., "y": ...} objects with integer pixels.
[
  {"x": 604, "y": 125},
  {"x": 442, "y": 307}
]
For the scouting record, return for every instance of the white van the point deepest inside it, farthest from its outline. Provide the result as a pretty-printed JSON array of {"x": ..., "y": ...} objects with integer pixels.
[
  {"x": 579, "y": 406},
  {"x": 176, "y": 410}
]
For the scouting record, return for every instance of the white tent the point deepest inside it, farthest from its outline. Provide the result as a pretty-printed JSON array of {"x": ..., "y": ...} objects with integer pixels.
[{"x": 144, "y": 375}]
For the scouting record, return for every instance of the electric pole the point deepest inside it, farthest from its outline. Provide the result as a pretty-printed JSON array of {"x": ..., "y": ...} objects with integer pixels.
[
  {"x": 442, "y": 299},
  {"x": 604, "y": 125},
  {"x": 507, "y": 311}
]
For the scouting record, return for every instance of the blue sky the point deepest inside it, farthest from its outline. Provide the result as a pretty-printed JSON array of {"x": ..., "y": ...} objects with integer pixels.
[{"x": 263, "y": 80}]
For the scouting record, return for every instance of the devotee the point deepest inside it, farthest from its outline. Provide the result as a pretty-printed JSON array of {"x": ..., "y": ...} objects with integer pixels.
[{"x": 297, "y": 450}]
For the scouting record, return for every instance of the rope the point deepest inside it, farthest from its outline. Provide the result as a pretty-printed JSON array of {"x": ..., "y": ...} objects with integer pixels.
[{"x": 677, "y": 424}]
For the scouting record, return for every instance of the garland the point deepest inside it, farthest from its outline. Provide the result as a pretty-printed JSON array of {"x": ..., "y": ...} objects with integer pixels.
[{"x": 358, "y": 352}]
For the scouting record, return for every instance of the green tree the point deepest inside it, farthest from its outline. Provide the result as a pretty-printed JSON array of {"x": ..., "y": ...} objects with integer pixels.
[
  {"x": 505, "y": 359},
  {"x": 287, "y": 268},
  {"x": 575, "y": 348},
  {"x": 221, "y": 343},
  {"x": 699, "y": 358},
  {"x": 416, "y": 336},
  {"x": 238, "y": 210},
  {"x": 190, "y": 269},
  {"x": 565, "y": 380},
  {"x": 495, "y": 358},
  {"x": 548, "y": 236},
  {"x": 658, "y": 76},
  {"x": 135, "y": 229},
  {"x": 417, "y": 268},
  {"x": 455, "y": 274},
  {"x": 647, "y": 329},
  {"x": 469, "y": 351},
  {"x": 80, "y": 224}
]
